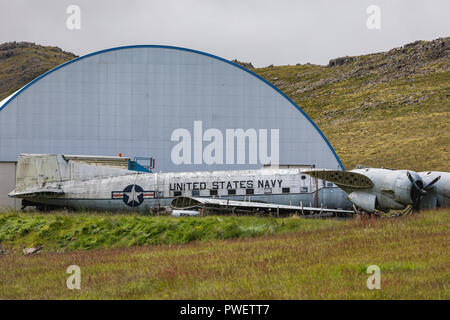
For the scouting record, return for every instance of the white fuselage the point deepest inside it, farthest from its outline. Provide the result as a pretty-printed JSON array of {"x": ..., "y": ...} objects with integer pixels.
[{"x": 141, "y": 191}]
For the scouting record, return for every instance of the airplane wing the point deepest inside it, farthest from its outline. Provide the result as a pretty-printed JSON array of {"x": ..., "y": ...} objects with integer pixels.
[
  {"x": 346, "y": 180},
  {"x": 192, "y": 203}
]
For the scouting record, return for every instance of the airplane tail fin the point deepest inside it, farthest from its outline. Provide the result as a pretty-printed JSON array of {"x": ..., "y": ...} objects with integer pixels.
[
  {"x": 35, "y": 173},
  {"x": 43, "y": 174}
]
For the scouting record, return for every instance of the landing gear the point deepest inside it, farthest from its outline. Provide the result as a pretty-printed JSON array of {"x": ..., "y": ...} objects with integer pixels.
[
  {"x": 362, "y": 215},
  {"x": 407, "y": 211},
  {"x": 26, "y": 203},
  {"x": 39, "y": 206}
]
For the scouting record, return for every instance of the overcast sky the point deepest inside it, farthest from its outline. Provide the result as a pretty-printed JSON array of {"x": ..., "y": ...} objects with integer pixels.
[{"x": 261, "y": 31}]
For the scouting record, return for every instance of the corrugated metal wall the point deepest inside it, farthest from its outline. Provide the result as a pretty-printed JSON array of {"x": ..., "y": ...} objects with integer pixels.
[{"x": 7, "y": 183}]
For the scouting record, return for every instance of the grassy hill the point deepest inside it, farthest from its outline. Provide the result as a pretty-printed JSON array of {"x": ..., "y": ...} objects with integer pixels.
[{"x": 387, "y": 109}]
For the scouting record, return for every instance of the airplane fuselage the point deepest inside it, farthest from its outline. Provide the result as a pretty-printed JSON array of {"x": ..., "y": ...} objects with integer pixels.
[{"x": 142, "y": 191}]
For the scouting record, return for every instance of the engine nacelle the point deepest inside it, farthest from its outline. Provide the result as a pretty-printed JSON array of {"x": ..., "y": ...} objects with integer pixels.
[
  {"x": 363, "y": 200},
  {"x": 391, "y": 190}
]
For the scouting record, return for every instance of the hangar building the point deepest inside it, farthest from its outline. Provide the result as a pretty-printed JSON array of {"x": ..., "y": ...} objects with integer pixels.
[{"x": 134, "y": 100}]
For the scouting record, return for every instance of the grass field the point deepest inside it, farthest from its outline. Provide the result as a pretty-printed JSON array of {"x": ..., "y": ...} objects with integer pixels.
[
  {"x": 320, "y": 259},
  {"x": 59, "y": 231}
]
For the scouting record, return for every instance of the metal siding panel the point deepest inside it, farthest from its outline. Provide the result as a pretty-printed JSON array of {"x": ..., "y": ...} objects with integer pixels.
[{"x": 7, "y": 183}]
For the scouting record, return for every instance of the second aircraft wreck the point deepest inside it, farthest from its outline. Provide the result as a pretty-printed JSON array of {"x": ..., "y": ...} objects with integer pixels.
[{"x": 382, "y": 190}]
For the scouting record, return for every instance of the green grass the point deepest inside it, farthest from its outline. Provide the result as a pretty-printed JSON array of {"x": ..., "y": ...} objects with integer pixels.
[
  {"x": 324, "y": 261},
  {"x": 74, "y": 231}
]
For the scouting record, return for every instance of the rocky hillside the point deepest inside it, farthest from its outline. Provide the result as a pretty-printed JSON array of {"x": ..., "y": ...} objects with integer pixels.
[
  {"x": 387, "y": 109},
  {"x": 21, "y": 62}
]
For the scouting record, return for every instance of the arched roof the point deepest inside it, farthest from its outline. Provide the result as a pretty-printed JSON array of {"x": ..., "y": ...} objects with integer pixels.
[{"x": 16, "y": 96}]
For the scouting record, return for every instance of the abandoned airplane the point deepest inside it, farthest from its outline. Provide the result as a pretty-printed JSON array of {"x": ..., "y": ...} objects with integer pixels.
[{"x": 116, "y": 183}]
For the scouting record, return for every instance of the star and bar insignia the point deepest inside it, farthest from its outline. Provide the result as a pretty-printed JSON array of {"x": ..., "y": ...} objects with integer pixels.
[{"x": 133, "y": 195}]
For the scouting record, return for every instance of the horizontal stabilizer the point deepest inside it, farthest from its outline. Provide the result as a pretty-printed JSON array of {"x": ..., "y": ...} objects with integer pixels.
[{"x": 37, "y": 192}]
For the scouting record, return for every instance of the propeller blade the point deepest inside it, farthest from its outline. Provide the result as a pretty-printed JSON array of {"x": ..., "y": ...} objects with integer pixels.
[
  {"x": 410, "y": 177},
  {"x": 432, "y": 182},
  {"x": 421, "y": 191}
]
